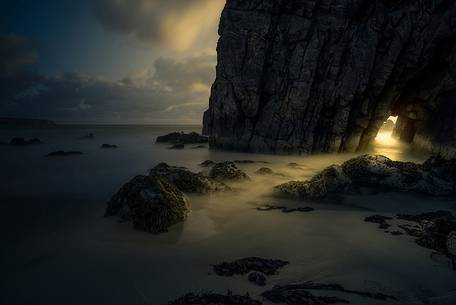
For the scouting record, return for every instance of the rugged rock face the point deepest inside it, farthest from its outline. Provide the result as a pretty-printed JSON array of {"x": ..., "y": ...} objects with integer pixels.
[
  {"x": 227, "y": 171},
  {"x": 435, "y": 177},
  {"x": 310, "y": 76}
]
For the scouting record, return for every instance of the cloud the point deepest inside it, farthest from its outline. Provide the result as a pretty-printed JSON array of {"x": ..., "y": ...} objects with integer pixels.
[
  {"x": 176, "y": 24},
  {"x": 15, "y": 53},
  {"x": 171, "y": 91}
]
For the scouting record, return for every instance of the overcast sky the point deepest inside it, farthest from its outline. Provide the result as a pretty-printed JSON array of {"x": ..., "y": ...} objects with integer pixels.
[{"x": 108, "y": 61}]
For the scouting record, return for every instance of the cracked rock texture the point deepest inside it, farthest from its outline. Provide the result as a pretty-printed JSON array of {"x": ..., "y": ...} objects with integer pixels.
[{"x": 304, "y": 76}]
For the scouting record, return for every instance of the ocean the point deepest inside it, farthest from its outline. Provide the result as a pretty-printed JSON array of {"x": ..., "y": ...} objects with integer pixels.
[{"x": 58, "y": 248}]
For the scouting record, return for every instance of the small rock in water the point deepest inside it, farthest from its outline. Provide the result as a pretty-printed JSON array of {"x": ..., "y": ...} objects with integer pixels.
[
  {"x": 25, "y": 142},
  {"x": 269, "y": 207},
  {"x": 61, "y": 153},
  {"x": 199, "y": 147},
  {"x": 215, "y": 299},
  {"x": 183, "y": 138},
  {"x": 108, "y": 146},
  {"x": 246, "y": 265},
  {"x": 257, "y": 278},
  {"x": 177, "y": 146},
  {"x": 227, "y": 171}
]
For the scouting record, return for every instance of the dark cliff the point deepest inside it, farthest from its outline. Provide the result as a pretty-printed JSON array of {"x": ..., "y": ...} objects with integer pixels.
[{"x": 323, "y": 75}]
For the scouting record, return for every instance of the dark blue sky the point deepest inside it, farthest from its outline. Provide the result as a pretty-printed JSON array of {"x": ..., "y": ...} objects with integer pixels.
[{"x": 68, "y": 37}]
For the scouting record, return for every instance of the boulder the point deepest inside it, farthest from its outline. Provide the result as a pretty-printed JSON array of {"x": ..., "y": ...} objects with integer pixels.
[
  {"x": 152, "y": 204},
  {"x": 187, "y": 181},
  {"x": 264, "y": 171},
  {"x": 434, "y": 177},
  {"x": 227, "y": 171},
  {"x": 207, "y": 163},
  {"x": 182, "y": 138}
]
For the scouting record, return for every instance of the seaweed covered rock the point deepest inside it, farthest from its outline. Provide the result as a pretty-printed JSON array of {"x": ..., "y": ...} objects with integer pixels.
[
  {"x": 152, "y": 204},
  {"x": 434, "y": 177},
  {"x": 227, "y": 171},
  {"x": 182, "y": 138},
  {"x": 264, "y": 171},
  {"x": 248, "y": 264},
  {"x": 214, "y": 299},
  {"x": 187, "y": 181}
]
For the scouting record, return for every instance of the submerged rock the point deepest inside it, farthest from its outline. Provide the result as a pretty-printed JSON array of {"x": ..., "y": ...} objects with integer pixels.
[
  {"x": 269, "y": 207},
  {"x": 227, "y": 171},
  {"x": 214, "y": 299},
  {"x": 187, "y": 181},
  {"x": 108, "y": 146},
  {"x": 182, "y": 138},
  {"x": 25, "y": 142},
  {"x": 152, "y": 204},
  {"x": 88, "y": 136},
  {"x": 199, "y": 147},
  {"x": 61, "y": 153},
  {"x": 246, "y": 265},
  {"x": 434, "y": 177}
]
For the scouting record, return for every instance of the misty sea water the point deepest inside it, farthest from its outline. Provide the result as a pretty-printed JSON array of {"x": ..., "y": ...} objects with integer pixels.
[{"x": 57, "y": 247}]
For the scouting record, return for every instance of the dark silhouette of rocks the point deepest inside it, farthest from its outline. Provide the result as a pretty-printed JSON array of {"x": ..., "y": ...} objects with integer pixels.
[
  {"x": 257, "y": 278},
  {"x": 182, "y": 138},
  {"x": 227, "y": 171},
  {"x": 152, "y": 204},
  {"x": 249, "y": 162},
  {"x": 61, "y": 153},
  {"x": 246, "y": 265},
  {"x": 323, "y": 76},
  {"x": 25, "y": 142},
  {"x": 298, "y": 293},
  {"x": 436, "y": 177},
  {"x": 215, "y": 299},
  {"x": 187, "y": 181},
  {"x": 109, "y": 146},
  {"x": 199, "y": 147}
]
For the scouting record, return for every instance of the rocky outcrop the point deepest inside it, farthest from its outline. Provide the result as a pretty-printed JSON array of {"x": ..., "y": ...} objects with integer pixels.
[
  {"x": 435, "y": 177},
  {"x": 152, "y": 204},
  {"x": 182, "y": 138},
  {"x": 187, "y": 181},
  {"x": 109, "y": 146},
  {"x": 227, "y": 171},
  {"x": 248, "y": 264},
  {"x": 311, "y": 76}
]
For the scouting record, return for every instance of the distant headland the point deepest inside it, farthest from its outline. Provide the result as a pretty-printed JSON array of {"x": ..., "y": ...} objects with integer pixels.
[{"x": 26, "y": 122}]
